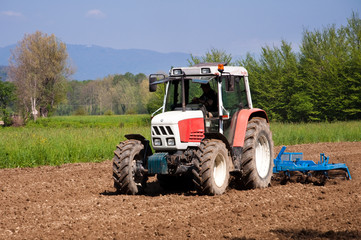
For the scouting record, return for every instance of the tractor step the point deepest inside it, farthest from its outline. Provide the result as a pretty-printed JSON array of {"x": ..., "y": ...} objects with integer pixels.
[{"x": 293, "y": 161}]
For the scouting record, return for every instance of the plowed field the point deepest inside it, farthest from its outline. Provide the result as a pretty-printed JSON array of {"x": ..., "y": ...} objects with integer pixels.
[{"x": 76, "y": 201}]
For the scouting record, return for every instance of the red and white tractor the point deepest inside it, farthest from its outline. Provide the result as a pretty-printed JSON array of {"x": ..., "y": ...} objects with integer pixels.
[{"x": 205, "y": 131}]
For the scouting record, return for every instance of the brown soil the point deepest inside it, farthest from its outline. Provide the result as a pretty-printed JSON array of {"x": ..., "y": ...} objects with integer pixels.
[{"x": 76, "y": 201}]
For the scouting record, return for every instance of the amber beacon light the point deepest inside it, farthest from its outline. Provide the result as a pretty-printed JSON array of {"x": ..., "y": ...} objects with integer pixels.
[{"x": 220, "y": 68}]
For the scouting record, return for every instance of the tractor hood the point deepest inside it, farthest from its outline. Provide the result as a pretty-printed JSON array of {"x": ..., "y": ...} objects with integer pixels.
[
  {"x": 173, "y": 117},
  {"x": 177, "y": 130}
]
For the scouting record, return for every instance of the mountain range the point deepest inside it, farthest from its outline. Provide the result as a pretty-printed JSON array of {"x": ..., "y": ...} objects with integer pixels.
[{"x": 92, "y": 62}]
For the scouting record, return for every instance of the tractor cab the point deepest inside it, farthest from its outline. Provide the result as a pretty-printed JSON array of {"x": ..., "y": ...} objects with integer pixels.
[{"x": 200, "y": 99}]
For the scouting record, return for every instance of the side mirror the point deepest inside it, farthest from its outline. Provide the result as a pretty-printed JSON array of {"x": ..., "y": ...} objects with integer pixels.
[
  {"x": 152, "y": 88},
  {"x": 230, "y": 83},
  {"x": 159, "y": 78}
]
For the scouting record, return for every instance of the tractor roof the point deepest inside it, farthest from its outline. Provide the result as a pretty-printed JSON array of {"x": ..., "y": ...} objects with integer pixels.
[
  {"x": 201, "y": 73},
  {"x": 207, "y": 69}
]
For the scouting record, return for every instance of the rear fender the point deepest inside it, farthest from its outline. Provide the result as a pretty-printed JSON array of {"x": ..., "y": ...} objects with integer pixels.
[{"x": 242, "y": 120}]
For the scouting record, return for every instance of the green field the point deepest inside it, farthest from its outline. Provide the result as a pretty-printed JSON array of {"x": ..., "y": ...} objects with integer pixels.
[
  {"x": 59, "y": 140},
  {"x": 290, "y": 134}
]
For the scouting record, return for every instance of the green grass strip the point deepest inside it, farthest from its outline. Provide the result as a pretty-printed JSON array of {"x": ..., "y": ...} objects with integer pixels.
[
  {"x": 59, "y": 140},
  {"x": 291, "y": 134}
]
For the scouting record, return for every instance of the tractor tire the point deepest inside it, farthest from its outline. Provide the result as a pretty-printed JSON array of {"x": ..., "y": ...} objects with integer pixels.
[
  {"x": 211, "y": 167},
  {"x": 124, "y": 163},
  {"x": 257, "y": 155}
]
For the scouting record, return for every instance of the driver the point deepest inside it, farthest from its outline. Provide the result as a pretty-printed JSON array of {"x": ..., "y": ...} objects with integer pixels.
[{"x": 208, "y": 99}]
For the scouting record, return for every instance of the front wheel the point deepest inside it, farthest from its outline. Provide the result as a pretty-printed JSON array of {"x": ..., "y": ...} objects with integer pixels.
[
  {"x": 257, "y": 156},
  {"x": 211, "y": 167},
  {"x": 124, "y": 166}
]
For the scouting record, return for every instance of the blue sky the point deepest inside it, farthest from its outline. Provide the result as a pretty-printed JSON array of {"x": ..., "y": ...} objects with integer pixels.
[{"x": 192, "y": 26}]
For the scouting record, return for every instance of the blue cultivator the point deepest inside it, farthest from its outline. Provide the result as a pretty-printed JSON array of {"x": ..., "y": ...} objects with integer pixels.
[{"x": 293, "y": 161}]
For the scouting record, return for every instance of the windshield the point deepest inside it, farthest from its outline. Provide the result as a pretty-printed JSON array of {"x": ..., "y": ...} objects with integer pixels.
[{"x": 197, "y": 93}]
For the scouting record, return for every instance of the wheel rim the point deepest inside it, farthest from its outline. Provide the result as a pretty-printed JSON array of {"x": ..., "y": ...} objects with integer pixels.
[
  {"x": 219, "y": 170},
  {"x": 263, "y": 157}
]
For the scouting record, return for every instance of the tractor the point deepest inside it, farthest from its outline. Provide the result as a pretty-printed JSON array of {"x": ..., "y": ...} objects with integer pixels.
[{"x": 205, "y": 132}]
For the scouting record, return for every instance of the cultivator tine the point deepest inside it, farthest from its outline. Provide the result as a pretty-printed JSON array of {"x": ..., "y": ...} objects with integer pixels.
[{"x": 339, "y": 174}]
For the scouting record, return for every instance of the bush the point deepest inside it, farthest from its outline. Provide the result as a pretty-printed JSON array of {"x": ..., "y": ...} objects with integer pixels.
[
  {"x": 17, "y": 121},
  {"x": 131, "y": 111},
  {"x": 80, "y": 112},
  {"x": 108, "y": 113}
]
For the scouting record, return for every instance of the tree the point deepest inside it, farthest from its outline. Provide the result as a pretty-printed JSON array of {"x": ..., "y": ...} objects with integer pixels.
[
  {"x": 324, "y": 63},
  {"x": 7, "y": 96},
  {"x": 39, "y": 70},
  {"x": 322, "y": 82},
  {"x": 274, "y": 79},
  {"x": 353, "y": 101},
  {"x": 214, "y": 55}
]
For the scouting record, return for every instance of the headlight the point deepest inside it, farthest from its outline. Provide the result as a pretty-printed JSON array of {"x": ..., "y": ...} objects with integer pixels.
[
  {"x": 177, "y": 71},
  {"x": 157, "y": 142},
  {"x": 205, "y": 70},
  {"x": 170, "y": 141}
]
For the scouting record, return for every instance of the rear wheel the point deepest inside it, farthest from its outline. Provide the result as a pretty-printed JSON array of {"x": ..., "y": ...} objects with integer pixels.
[
  {"x": 124, "y": 165},
  {"x": 211, "y": 167},
  {"x": 257, "y": 156}
]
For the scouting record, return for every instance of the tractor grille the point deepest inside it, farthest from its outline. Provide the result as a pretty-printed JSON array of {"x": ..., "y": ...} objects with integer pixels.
[
  {"x": 162, "y": 130},
  {"x": 196, "y": 136},
  {"x": 185, "y": 136}
]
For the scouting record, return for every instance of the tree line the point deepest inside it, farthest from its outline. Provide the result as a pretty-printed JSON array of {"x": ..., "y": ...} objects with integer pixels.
[
  {"x": 320, "y": 82},
  {"x": 113, "y": 94}
]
